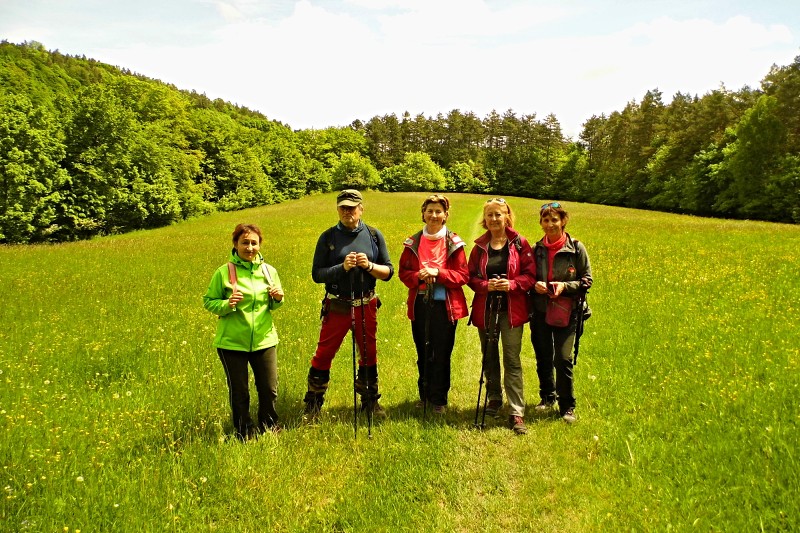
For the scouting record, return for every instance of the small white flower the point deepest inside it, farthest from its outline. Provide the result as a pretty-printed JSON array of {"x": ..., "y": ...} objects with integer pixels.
[{"x": 79, "y": 479}]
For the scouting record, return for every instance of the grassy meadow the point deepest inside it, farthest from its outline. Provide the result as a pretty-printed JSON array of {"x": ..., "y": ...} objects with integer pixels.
[{"x": 114, "y": 415}]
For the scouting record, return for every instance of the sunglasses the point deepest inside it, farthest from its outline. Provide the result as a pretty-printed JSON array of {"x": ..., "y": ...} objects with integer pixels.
[
  {"x": 550, "y": 204},
  {"x": 498, "y": 200}
]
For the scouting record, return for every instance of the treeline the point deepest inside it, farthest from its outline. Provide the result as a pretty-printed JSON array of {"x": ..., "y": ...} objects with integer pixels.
[
  {"x": 728, "y": 153},
  {"x": 89, "y": 149}
]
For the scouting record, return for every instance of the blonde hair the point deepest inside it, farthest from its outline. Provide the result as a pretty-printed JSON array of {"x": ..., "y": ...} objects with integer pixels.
[{"x": 509, "y": 212}]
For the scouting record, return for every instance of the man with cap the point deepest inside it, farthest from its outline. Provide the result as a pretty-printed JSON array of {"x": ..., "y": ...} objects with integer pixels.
[{"x": 348, "y": 259}]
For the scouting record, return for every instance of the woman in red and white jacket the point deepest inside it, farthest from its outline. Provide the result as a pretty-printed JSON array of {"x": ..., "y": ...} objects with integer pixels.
[
  {"x": 502, "y": 271},
  {"x": 433, "y": 266}
]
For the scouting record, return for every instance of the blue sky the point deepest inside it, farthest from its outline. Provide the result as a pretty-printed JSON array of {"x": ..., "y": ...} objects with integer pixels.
[{"x": 319, "y": 63}]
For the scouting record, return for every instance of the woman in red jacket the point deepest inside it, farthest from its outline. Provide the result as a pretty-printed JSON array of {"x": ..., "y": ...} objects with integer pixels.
[
  {"x": 433, "y": 266},
  {"x": 501, "y": 271}
]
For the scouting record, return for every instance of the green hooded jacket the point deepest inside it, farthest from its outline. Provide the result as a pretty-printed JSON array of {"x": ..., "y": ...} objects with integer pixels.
[{"x": 248, "y": 327}]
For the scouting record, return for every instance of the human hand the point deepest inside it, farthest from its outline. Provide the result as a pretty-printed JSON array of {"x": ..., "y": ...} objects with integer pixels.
[
  {"x": 555, "y": 288},
  {"x": 235, "y": 298},
  {"x": 276, "y": 293},
  {"x": 362, "y": 261},
  {"x": 350, "y": 261},
  {"x": 501, "y": 285},
  {"x": 428, "y": 275}
]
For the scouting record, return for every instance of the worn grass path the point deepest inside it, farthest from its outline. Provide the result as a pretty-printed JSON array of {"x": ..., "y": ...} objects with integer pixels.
[{"x": 113, "y": 413}]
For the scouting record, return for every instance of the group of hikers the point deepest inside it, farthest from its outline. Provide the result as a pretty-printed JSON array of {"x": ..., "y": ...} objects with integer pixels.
[{"x": 514, "y": 284}]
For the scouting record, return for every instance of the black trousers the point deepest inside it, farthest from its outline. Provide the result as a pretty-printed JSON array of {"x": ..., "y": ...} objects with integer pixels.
[
  {"x": 435, "y": 374},
  {"x": 553, "y": 349},
  {"x": 265, "y": 371}
]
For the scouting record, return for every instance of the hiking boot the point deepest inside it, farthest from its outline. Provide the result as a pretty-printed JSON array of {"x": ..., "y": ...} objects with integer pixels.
[
  {"x": 569, "y": 417},
  {"x": 269, "y": 427},
  {"x": 313, "y": 405},
  {"x": 439, "y": 409},
  {"x": 274, "y": 428},
  {"x": 377, "y": 408},
  {"x": 493, "y": 407},
  {"x": 543, "y": 406},
  {"x": 517, "y": 425}
]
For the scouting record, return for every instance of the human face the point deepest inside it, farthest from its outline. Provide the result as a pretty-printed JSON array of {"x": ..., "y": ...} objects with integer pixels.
[
  {"x": 434, "y": 216},
  {"x": 495, "y": 216},
  {"x": 248, "y": 246},
  {"x": 350, "y": 215},
  {"x": 553, "y": 225}
]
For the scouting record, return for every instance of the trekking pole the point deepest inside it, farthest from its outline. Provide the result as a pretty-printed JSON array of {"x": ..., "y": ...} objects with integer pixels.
[
  {"x": 489, "y": 319},
  {"x": 426, "y": 384},
  {"x": 370, "y": 405},
  {"x": 353, "y": 337},
  {"x": 579, "y": 322}
]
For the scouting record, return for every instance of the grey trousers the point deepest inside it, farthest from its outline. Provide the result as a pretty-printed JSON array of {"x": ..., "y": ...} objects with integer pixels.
[{"x": 511, "y": 340}]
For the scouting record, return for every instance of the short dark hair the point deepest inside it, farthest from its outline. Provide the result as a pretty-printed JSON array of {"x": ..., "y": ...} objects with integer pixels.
[
  {"x": 241, "y": 229},
  {"x": 554, "y": 207},
  {"x": 435, "y": 199}
]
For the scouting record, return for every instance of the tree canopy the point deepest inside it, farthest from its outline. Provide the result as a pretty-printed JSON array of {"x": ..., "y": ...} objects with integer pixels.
[{"x": 89, "y": 149}]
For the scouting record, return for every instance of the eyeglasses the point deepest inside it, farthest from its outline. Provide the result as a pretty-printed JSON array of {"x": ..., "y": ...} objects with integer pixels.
[
  {"x": 498, "y": 200},
  {"x": 550, "y": 204}
]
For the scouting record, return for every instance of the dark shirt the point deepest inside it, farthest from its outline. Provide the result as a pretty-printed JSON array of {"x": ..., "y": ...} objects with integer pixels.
[
  {"x": 334, "y": 245},
  {"x": 497, "y": 265}
]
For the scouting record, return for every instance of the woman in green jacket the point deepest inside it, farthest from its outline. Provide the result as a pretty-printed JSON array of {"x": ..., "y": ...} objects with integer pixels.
[{"x": 243, "y": 293}]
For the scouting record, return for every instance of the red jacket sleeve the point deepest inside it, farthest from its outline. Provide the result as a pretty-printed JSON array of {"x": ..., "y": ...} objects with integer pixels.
[
  {"x": 456, "y": 273},
  {"x": 409, "y": 268}
]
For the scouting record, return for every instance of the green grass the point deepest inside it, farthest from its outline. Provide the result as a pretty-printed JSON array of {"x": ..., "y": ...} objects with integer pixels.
[{"x": 114, "y": 415}]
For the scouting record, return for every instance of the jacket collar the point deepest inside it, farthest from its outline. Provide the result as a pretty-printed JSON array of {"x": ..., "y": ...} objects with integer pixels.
[
  {"x": 569, "y": 245},
  {"x": 483, "y": 240},
  {"x": 236, "y": 260},
  {"x": 454, "y": 242}
]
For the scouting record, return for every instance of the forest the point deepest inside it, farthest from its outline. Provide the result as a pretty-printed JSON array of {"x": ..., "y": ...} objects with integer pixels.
[{"x": 90, "y": 149}]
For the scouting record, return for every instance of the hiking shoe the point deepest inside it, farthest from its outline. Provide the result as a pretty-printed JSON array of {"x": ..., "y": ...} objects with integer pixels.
[
  {"x": 517, "y": 425},
  {"x": 569, "y": 417},
  {"x": 377, "y": 408},
  {"x": 269, "y": 428},
  {"x": 312, "y": 410},
  {"x": 439, "y": 409},
  {"x": 493, "y": 407},
  {"x": 543, "y": 406}
]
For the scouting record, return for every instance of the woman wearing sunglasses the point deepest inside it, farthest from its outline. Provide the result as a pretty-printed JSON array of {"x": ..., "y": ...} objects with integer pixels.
[
  {"x": 501, "y": 273},
  {"x": 563, "y": 274}
]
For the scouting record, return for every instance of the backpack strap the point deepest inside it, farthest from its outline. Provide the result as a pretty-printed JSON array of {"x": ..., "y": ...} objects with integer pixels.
[
  {"x": 265, "y": 269},
  {"x": 232, "y": 276},
  {"x": 329, "y": 239},
  {"x": 372, "y": 231}
]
